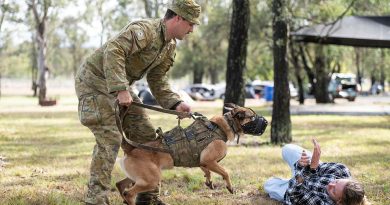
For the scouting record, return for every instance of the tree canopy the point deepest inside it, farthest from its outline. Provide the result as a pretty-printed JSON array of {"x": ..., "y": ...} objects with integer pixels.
[{"x": 74, "y": 29}]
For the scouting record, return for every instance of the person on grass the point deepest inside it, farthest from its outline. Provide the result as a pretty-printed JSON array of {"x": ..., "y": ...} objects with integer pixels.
[{"x": 314, "y": 182}]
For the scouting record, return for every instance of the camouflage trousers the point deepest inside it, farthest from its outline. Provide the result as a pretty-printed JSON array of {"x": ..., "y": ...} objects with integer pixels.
[{"x": 97, "y": 112}]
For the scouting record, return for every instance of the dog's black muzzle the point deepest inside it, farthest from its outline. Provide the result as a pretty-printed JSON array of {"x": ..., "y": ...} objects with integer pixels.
[{"x": 256, "y": 126}]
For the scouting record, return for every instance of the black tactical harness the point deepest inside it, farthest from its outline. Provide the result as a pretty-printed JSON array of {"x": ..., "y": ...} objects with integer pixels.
[{"x": 186, "y": 144}]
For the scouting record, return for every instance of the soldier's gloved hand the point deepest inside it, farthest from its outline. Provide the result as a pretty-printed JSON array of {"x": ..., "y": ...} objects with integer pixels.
[
  {"x": 183, "y": 107},
  {"x": 124, "y": 98}
]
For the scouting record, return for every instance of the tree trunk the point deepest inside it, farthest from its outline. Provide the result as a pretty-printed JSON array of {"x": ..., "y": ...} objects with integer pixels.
[
  {"x": 308, "y": 70},
  {"x": 297, "y": 68},
  {"x": 101, "y": 15},
  {"x": 214, "y": 75},
  {"x": 382, "y": 78},
  {"x": 322, "y": 79},
  {"x": 34, "y": 67},
  {"x": 198, "y": 75},
  {"x": 236, "y": 61},
  {"x": 151, "y": 8},
  {"x": 148, "y": 9},
  {"x": 3, "y": 12},
  {"x": 358, "y": 67},
  {"x": 281, "y": 122},
  {"x": 41, "y": 63},
  {"x": 40, "y": 20}
]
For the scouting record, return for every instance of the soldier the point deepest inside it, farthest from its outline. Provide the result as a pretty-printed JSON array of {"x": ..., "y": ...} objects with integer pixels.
[{"x": 145, "y": 47}]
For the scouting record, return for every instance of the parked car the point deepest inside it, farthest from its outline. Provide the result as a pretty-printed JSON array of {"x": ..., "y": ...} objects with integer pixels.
[
  {"x": 343, "y": 85},
  {"x": 250, "y": 91},
  {"x": 147, "y": 97},
  {"x": 205, "y": 91},
  {"x": 259, "y": 87},
  {"x": 256, "y": 89}
]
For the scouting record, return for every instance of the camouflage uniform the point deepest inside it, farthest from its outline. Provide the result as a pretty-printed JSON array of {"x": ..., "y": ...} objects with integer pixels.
[{"x": 139, "y": 49}]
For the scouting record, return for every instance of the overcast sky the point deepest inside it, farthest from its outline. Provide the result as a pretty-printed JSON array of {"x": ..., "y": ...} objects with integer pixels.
[{"x": 20, "y": 32}]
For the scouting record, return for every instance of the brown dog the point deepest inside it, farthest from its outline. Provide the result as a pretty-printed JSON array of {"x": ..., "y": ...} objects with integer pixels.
[{"x": 143, "y": 167}]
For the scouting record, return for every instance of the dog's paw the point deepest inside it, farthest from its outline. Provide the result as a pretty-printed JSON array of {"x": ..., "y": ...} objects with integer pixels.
[
  {"x": 210, "y": 184},
  {"x": 230, "y": 190}
]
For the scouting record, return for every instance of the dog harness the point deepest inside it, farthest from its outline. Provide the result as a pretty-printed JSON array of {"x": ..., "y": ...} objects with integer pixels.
[{"x": 187, "y": 144}]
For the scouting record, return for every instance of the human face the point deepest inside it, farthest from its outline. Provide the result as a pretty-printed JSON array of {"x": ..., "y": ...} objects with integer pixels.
[
  {"x": 335, "y": 189},
  {"x": 183, "y": 27}
]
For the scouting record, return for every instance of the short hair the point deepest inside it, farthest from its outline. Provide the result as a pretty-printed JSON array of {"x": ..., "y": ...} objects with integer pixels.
[
  {"x": 169, "y": 14},
  {"x": 353, "y": 194}
]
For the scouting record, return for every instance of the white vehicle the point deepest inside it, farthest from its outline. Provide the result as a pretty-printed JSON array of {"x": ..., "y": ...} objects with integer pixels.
[
  {"x": 343, "y": 85},
  {"x": 259, "y": 88},
  {"x": 205, "y": 91}
]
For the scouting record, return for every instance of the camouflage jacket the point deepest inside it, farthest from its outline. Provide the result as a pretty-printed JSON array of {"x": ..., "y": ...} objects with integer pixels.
[{"x": 139, "y": 49}]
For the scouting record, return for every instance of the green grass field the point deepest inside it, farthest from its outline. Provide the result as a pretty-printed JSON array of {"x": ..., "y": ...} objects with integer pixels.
[{"x": 45, "y": 155}]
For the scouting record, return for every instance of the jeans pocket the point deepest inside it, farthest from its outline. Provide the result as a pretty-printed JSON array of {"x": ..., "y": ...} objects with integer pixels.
[{"x": 88, "y": 111}]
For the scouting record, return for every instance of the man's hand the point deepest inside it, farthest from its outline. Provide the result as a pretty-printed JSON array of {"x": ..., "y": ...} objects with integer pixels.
[
  {"x": 304, "y": 161},
  {"x": 124, "y": 98},
  {"x": 183, "y": 107},
  {"x": 315, "y": 159}
]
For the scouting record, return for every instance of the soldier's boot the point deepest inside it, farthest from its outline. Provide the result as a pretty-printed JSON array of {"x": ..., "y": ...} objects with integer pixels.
[{"x": 149, "y": 198}]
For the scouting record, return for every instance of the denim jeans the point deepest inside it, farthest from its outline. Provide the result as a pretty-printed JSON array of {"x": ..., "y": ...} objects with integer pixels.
[{"x": 277, "y": 187}]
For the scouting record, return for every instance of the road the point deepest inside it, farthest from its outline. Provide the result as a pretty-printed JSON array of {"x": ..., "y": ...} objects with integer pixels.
[{"x": 363, "y": 105}]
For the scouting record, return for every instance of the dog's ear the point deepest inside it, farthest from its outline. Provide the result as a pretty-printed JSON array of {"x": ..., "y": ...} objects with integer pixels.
[
  {"x": 239, "y": 115},
  {"x": 229, "y": 106}
]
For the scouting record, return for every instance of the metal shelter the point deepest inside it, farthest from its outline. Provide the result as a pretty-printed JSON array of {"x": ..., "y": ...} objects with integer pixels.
[{"x": 361, "y": 31}]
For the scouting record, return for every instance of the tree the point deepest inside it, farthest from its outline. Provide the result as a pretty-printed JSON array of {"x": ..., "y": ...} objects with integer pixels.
[
  {"x": 294, "y": 54},
  {"x": 259, "y": 60},
  {"x": 152, "y": 8},
  {"x": 237, "y": 51},
  {"x": 7, "y": 10},
  {"x": 203, "y": 55},
  {"x": 4, "y": 10},
  {"x": 75, "y": 36},
  {"x": 281, "y": 122},
  {"x": 40, "y": 11}
]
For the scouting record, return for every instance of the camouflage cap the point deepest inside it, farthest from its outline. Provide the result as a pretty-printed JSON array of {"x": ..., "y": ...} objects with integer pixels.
[{"x": 187, "y": 9}]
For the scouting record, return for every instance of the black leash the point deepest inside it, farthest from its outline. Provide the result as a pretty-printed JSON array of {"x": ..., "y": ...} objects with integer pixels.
[
  {"x": 119, "y": 119},
  {"x": 172, "y": 112}
]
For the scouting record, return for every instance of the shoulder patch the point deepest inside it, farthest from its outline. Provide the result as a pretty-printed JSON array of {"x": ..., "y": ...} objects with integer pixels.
[{"x": 140, "y": 34}]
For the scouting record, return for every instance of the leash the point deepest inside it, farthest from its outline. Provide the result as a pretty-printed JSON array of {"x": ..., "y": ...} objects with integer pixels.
[
  {"x": 119, "y": 119},
  {"x": 172, "y": 112}
]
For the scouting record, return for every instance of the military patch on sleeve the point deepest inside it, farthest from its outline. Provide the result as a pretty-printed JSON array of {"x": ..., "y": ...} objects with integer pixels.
[{"x": 140, "y": 34}]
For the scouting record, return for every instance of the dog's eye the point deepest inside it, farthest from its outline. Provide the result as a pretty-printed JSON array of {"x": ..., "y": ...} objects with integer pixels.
[{"x": 253, "y": 118}]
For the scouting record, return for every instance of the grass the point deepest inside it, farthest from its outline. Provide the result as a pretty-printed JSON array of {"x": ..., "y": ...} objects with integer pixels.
[{"x": 45, "y": 155}]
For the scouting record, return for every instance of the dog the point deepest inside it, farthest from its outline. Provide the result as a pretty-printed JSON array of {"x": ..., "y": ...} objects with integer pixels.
[{"x": 143, "y": 167}]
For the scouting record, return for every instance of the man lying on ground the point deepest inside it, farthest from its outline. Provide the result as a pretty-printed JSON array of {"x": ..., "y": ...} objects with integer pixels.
[{"x": 314, "y": 182}]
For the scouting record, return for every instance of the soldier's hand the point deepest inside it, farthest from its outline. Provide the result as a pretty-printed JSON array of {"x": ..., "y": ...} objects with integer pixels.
[
  {"x": 183, "y": 107},
  {"x": 124, "y": 98}
]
